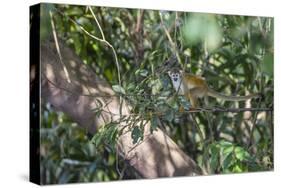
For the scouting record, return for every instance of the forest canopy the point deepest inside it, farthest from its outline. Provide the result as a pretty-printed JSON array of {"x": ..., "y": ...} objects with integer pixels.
[{"x": 130, "y": 51}]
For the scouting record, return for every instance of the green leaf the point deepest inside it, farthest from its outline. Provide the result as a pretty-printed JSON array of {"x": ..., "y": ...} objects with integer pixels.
[
  {"x": 214, "y": 161},
  {"x": 156, "y": 86},
  {"x": 107, "y": 135},
  {"x": 111, "y": 134},
  {"x": 118, "y": 89},
  {"x": 131, "y": 87},
  {"x": 184, "y": 103},
  {"x": 136, "y": 135},
  {"x": 142, "y": 72},
  {"x": 238, "y": 167},
  {"x": 153, "y": 123},
  {"x": 172, "y": 102},
  {"x": 214, "y": 153},
  {"x": 224, "y": 143},
  {"x": 165, "y": 81},
  {"x": 97, "y": 139},
  {"x": 227, "y": 150},
  {"x": 169, "y": 115},
  {"x": 74, "y": 11},
  {"x": 267, "y": 64},
  {"x": 241, "y": 154},
  {"x": 227, "y": 162},
  {"x": 214, "y": 148}
]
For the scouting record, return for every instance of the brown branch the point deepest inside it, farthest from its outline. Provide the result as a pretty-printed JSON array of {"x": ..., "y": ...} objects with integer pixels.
[
  {"x": 234, "y": 110},
  {"x": 138, "y": 34},
  {"x": 197, "y": 110},
  {"x": 215, "y": 109}
]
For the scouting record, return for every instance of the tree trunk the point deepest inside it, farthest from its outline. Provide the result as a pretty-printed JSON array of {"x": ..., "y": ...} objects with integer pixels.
[{"x": 156, "y": 156}]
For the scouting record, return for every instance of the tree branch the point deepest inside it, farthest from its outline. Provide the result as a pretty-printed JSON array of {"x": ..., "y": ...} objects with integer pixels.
[{"x": 156, "y": 156}]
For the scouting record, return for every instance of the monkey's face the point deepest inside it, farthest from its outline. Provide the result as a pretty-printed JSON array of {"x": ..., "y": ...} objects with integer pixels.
[{"x": 175, "y": 76}]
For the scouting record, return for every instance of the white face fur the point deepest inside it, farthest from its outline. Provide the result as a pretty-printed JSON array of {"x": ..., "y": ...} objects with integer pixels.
[{"x": 176, "y": 80}]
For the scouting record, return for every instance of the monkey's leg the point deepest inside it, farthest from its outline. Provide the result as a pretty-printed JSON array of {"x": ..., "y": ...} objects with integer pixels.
[
  {"x": 206, "y": 101},
  {"x": 193, "y": 101},
  {"x": 194, "y": 94}
]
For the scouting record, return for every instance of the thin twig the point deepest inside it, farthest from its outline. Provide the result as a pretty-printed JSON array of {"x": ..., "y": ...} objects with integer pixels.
[
  {"x": 93, "y": 14},
  {"x": 261, "y": 29},
  {"x": 170, "y": 39},
  {"x": 105, "y": 41},
  {"x": 198, "y": 128},
  {"x": 254, "y": 126},
  {"x": 210, "y": 125},
  {"x": 117, "y": 163},
  {"x": 196, "y": 110},
  {"x": 115, "y": 56},
  {"x": 214, "y": 109},
  {"x": 92, "y": 95},
  {"x": 58, "y": 48}
]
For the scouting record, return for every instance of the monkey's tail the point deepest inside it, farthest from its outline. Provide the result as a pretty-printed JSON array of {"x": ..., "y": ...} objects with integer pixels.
[{"x": 215, "y": 94}]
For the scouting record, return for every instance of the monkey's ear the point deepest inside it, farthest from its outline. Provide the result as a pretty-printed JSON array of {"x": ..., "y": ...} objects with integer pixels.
[
  {"x": 181, "y": 71},
  {"x": 169, "y": 73}
]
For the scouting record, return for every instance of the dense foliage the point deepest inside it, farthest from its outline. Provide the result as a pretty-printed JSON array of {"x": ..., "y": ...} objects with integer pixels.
[{"x": 233, "y": 53}]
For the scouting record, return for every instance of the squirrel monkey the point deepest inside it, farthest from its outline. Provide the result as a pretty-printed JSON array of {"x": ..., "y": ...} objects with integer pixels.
[{"x": 194, "y": 87}]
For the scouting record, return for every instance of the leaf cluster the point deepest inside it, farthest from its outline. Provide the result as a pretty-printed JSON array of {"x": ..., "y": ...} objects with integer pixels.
[{"x": 234, "y": 54}]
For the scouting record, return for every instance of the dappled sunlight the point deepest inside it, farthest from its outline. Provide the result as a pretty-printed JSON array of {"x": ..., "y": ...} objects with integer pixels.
[
  {"x": 113, "y": 110},
  {"x": 50, "y": 72},
  {"x": 157, "y": 155}
]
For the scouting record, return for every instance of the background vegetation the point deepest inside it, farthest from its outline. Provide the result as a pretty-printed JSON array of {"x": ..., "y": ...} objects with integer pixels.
[{"x": 233, "y": 53}]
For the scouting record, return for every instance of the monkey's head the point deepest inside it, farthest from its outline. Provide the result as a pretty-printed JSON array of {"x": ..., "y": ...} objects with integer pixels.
[{"x": 174, "y": 74}]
